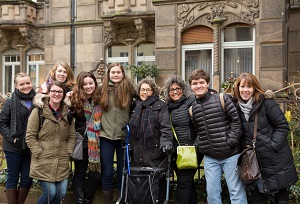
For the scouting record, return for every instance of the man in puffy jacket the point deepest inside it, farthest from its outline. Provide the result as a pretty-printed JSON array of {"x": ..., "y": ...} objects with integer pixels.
[{"x": 219, "y": 133}]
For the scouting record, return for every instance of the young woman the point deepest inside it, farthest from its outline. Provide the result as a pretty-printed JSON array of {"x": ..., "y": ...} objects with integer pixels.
[
  {"x": 62, "y": 72},
  {"x": 116, "y": 97},
  {"x": 277, "y": 167},
  {"x": 179, "y": 99},
  {"x": 85, "y": 101},
  {"x": 51, "y": 139},
  {"x": 13, "y": 124}
]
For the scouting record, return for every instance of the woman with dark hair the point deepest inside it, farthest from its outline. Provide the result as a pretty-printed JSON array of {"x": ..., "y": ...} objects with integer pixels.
[
  {"x": 277, "y": 167},
  {"x": 116, "y": 98},
  {"x": 62, "y": 72},
  {"x": 179, "y": 99},
  {"x": 85, "y": 101},
  {"x": 151, "y": 137},
  {"x": 51, "y": 139},
  {"x": 13, "y": 125}
]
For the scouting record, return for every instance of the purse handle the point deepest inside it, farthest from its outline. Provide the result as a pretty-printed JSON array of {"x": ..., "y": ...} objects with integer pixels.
[
  {"x": 255, "y": 130},
  {"x": 173, "y": 130},
  {"x": 89, "y": 121}
]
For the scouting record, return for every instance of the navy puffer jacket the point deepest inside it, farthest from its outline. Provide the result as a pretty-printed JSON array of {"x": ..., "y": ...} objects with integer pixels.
[
  {"x": 274, "y": 153},
  {"x": 219, "y": 132}
]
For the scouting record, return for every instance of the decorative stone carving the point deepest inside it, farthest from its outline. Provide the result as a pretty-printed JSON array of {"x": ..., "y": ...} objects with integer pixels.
[
  {"x": 246, "y": 10},
  {"x": 5, "y": 39},
  {"x": 142, "y": 26},
  {"x": 111, "y": 32},
  {"x": 33, "y": 37}
]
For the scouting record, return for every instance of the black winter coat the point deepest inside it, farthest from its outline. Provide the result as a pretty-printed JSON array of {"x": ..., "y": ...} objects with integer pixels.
[
  {"x": 274, "y": 153},
  {"x": 183, "y": 124},
  {"x": 219, "y": 132},
  {"x": 153, "y": 156},
  {"x": 5, "y": 118}
]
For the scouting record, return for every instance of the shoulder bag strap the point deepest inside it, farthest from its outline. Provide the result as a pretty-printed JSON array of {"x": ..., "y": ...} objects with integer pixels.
[
  {"x": 255, "y": 129},
  {"x": 173, "y": 130},
  {"x": 222, "y": 101}
]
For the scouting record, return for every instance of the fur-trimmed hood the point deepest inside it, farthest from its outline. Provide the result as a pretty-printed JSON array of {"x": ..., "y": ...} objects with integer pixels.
[
  {"x": 269, "y": 94},
  {"x": 38, "y": 100}
]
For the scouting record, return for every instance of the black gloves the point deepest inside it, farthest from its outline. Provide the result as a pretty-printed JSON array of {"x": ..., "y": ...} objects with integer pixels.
[{"x": 168, "y": 149}]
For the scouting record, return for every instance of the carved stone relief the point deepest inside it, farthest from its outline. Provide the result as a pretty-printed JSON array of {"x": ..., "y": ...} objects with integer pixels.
[
  {"x": 5, "y": 39},
  {"x": 142, "y": 31},
  {"x": 245, "y": 10}
]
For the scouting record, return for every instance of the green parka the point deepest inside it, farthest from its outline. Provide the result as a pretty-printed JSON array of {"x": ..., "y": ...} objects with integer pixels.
[{"x": 51, "y": 145}]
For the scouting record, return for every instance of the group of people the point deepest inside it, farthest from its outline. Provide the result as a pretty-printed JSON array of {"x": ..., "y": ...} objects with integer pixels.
[{"x": 39, "y": 134}]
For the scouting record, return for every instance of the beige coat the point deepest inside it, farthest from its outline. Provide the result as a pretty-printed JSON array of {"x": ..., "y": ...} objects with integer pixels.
[{"x": 51, "y": 146}]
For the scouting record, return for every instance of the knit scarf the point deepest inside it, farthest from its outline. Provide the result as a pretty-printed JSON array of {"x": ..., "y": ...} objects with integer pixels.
[
  {"x": 176, "y": 104},
  {"x": 93, "y": 134},
  {"x": 246, "y": 107},
  {"x": 142, "y": 121},
  {"x": 16, "y": 98}
]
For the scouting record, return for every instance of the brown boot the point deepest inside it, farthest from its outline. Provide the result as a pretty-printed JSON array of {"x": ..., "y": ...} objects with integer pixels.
[
  {"x": 11, "y": 196},
  {"x": 108, "y": 197},
  {"x": 22, "y": 195}
]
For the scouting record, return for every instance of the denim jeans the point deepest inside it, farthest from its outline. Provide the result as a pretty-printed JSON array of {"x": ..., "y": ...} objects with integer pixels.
[
  {"x": 53, "y": 192},
  {"x": 18, "y": 164},
  {"x": 107, "y": 151},
  {"x": 214, "y": 169}
]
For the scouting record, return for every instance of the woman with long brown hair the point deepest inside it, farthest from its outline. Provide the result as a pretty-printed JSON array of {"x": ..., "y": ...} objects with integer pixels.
[
  {"x": 85, "y": 101},
  {"x": 116, "y": 97}
]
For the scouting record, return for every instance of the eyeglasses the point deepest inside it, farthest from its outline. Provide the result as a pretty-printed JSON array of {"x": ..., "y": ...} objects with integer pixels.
[
  {"x": 178, "y": 90},
  {"x": 147, "y": 90},
  {"x": 56, "y": 91}
]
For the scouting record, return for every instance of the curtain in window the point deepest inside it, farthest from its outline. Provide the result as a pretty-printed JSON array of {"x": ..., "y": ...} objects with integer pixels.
[
  {"x": 195, "y": 59},
  {"x": 237, "y": 60}
]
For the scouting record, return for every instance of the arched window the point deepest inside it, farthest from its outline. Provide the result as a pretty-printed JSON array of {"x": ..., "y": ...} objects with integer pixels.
[{"x": 237, "y": 50}]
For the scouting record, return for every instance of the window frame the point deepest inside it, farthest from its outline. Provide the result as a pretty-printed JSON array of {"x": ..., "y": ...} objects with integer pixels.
[{"x": 236, "y": 45}]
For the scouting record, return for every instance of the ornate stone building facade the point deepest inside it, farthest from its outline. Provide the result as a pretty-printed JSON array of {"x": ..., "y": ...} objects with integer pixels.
[{"x": 220, "y": 36}]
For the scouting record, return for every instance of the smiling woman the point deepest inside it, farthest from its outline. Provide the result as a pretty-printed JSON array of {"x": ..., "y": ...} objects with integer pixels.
[{"x": 51, "y": 144}]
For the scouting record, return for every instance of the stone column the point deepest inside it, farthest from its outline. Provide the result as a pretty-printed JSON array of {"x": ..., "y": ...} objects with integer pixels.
[{"x": 216, "y": 68}]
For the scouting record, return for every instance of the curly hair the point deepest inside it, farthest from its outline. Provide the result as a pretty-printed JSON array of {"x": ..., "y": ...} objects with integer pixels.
[
  {"x": 123, "y": 93},
  {"x": 178, "y": 81},
  {"x": 250, "y": 80},
  {"x": 70, "y": 81},
  {"x": 152, "y": 84},
  {"x": 79, "y": 96}
]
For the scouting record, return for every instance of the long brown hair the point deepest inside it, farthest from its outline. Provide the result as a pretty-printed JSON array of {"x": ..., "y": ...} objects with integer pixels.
[
  {"x": 70, "y": 81},
  {"x": 78, "y": 97},
  {"x": 123, "y": 92},
  {"x": 250, "y": 80}
]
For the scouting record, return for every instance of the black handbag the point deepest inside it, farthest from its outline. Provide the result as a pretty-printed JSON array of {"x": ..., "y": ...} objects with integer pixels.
[
  {"x": 249, "y": 169},
  {"x": 78, "y": 148}
]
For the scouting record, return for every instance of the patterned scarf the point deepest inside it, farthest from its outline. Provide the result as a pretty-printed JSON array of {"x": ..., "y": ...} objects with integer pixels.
[
  {"x": 142, "y": 121},
  {"x": 16, "y": 98},
  {"x": 93, "y": 134}
]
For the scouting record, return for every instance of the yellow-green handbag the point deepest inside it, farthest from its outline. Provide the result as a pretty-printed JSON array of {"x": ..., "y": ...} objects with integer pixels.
[{"x": 186, "y": 155}]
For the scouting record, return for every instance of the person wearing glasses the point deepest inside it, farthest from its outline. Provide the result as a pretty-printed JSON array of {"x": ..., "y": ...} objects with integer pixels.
[
  {"x": 51, "y": 142},
  {"x": 151, "y": 137},
  {"x": 179, "y": 98},
  {"x": 116, "y": 98},
  {"x": 13, "y": 124}
]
